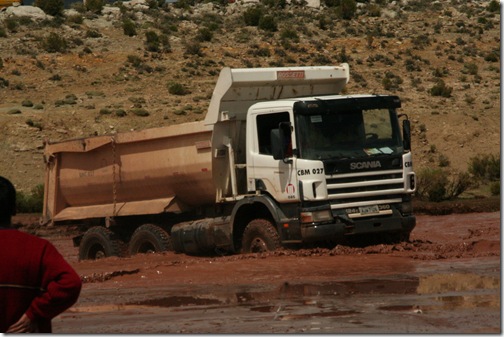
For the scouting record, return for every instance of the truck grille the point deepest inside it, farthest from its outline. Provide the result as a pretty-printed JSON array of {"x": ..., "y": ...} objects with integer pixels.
[{"x": 365, "y": 188}]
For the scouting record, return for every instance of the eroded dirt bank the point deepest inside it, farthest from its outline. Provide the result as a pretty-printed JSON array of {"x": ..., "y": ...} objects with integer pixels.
[{"x": 445, "y": 280}]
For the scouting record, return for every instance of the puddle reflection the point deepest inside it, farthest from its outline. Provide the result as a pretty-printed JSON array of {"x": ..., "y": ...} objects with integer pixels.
[{"x": 333, "y": 299}]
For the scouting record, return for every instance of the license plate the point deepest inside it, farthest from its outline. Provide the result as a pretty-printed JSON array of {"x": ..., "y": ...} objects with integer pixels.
[{"x": 366, "y": 210}]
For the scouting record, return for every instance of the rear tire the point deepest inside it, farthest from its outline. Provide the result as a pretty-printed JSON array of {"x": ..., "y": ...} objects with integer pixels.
[
  {"x": 99, "y": 242},
  {"x": 260, "y": 236},
  {"x": 149, "y": 239}
]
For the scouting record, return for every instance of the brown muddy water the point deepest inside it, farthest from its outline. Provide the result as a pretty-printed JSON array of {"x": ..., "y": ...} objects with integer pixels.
[{"x": 433, "y": 297}]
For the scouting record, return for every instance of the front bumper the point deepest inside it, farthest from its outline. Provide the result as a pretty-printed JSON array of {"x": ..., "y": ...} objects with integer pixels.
[{"x": 343, "y": 226}]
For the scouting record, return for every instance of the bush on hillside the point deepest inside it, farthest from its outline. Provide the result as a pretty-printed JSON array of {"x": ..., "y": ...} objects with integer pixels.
[
  {"x": 441, "y": 89},
  {"x": 51, "y": 7},
  {"x": 55, "y": 43},
  {"x": 129, "y": 27},
  {"x": 95, "y": 6},
  {"x": 485, "y": 167},
  {"x": 32, "y": 202},
  {"x": 437, "y": 185},
  {"x": 252, "y": 16},
  {"x": 268, "y": 23},
  {"x": 347, "y": 9}
]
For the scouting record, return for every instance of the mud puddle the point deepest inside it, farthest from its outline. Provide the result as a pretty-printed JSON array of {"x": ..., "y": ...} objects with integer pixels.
[{"x": 439, "y": 302}]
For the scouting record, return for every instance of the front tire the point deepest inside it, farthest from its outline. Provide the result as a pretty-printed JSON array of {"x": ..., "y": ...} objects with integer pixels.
[
  {"x": 99, "y": 242},
  {"x": 260, "y": 236},
  {"x": 149, "y": 239}
]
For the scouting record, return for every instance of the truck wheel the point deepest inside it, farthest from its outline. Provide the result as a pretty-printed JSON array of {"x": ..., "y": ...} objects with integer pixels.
[
  {"x": 260, "y": 236},
  {"x": 149, "y": 239},
  {"x": 99, "y": 242}
]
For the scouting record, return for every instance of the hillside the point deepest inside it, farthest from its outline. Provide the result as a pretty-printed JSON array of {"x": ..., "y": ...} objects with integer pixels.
[{"x": 84, "y": 76}]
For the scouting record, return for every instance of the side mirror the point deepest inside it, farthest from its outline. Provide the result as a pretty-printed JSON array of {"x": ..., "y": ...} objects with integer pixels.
[{"x": 406, "y": 135}]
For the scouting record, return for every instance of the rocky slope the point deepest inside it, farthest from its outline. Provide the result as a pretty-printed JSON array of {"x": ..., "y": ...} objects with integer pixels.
[{"x": 87, "y": 77}]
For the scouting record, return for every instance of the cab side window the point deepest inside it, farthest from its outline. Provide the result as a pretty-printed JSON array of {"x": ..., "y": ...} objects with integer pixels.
[{"x": 266, "y": 123}]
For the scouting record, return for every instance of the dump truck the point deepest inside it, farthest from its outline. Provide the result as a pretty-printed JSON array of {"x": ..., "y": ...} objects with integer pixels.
[{"x": 281, "y": 159}]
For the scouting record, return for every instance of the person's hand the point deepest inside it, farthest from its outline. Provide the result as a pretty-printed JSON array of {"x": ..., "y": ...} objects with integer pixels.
[{"x": 24, "y": 324}]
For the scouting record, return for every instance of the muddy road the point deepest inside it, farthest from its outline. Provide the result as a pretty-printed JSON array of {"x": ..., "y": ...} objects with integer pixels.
[{"x": 445, "y": 280}]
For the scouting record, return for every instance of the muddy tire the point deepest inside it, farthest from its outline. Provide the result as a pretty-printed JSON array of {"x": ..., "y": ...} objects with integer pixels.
[
  {"x": 149, "y": 239},
  {"x": 99, "y": 242},
  {"x": 260, "y": 236}
]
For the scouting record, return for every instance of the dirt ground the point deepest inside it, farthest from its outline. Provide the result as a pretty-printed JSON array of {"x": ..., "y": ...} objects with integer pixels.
[{"x": 445, "y": 280}]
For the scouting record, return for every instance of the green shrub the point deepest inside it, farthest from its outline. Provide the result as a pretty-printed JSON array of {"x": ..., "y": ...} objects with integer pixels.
[
  {"x": 93, "y": 33},
  {"x": 129, "y": 27},
  {"x": 289, "y": 34},
  {"x": 374, "y": 10},
  {"x": 347, "y": 9},
  {"x": 95, "y": 6},
  {"x": 332, "y": 3},
  {"x": 51, "y": 7},
  {"x": 165, "y": 42},
  {"x": 175, "y": 88},
  {"x": 135, "y": 61},
  {"x": 280, "y": 4},
  {"x": 437, "y": 185},
  {"x": 11, "y": 24},
  {"x": 140, "y": 112},
  {"x": 14, "y": 111},
  {"x": 193, "y": 48},
  {"x": 120, "y": 112},
  {"x": 27, "y": 103},
  {"x": 76, "y": 19},
  {"x": 30, "y": 203},
  {"x": 441, "y": 89},
  {"x": 391, "y": 81},
  {"x": 152, "y": 42},
  {"x": 55, "y": 43},
  {"x": 184, "y": 4},
  {"x": 204, "y": 35},
  {"x": 443, "y": 161},
  {"x": 492, "y": 57},
  {"x": 493, "y": 6},
  {"x": 34, "y": 124},
  {"x": 268, "y": 23},
  {"x": 485, "y": 167},
  {"x": 79, "y": 7},
  {"x": 55, "y": 77},
  {"x": 470, "y": 68},
  {"x": 495, "y": 188},
  {"x": 252, "y": 16}
]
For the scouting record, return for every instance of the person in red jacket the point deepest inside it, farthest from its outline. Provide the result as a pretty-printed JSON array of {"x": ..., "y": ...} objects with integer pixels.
[{"x": 36, "y": 283}]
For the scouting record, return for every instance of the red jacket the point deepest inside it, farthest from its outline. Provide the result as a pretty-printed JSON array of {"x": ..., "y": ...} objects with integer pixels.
[{"x": 34, "y": 279}]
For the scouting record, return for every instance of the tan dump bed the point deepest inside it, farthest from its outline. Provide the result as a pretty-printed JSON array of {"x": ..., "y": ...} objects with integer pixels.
[{"x": 130, "y": 173}]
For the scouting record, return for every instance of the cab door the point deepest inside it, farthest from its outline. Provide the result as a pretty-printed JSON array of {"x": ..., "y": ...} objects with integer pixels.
[{"x": 274, "y": 176}]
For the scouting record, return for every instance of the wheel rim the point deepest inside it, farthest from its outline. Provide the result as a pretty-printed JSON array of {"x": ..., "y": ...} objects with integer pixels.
[
  {"x": 97, "y": 252},
  {"x": 258, "y": 245}
]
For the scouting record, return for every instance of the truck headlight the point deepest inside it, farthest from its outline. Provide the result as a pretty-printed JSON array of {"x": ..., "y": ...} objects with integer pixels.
[{"x": 316, "y": 216}]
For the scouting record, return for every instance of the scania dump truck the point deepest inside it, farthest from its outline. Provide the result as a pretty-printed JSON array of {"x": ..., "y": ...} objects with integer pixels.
[{"x": 281, "y": 158}]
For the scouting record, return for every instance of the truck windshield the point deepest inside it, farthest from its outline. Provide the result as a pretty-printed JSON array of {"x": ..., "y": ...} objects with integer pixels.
[{"x": 350, "y": 133}]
